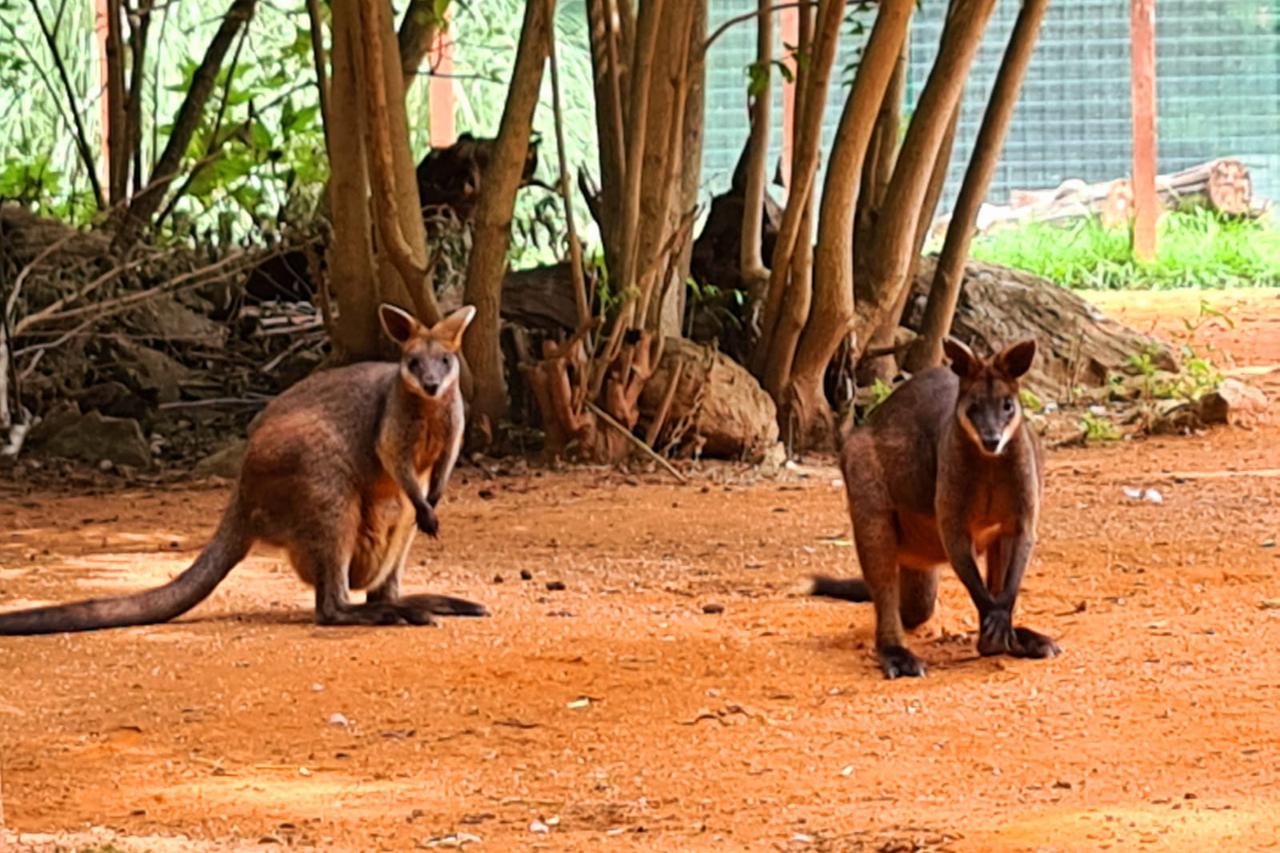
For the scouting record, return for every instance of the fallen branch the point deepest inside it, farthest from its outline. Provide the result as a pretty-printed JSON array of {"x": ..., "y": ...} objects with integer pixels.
[{"x": 636, "y": 440}]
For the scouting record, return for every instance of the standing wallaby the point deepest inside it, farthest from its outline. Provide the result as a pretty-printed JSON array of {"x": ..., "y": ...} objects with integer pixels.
[
  {"x": 338, "y": 471},
  {"x": 945, "y": 469}
]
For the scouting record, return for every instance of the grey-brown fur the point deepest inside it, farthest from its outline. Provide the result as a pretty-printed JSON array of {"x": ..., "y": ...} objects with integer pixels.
[
  {"x": 339, "y": 471},
  {"x": 944, "y": 470}
]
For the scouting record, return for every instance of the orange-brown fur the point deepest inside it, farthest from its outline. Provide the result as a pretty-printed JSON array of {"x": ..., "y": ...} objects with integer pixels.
[{"x": 926, "y": 486}]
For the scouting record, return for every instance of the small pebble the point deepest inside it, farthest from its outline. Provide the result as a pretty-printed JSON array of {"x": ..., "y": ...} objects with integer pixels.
[
  {"x": 526, "y": 575},
  {"x": 485, "y": 494},
  {"x": 555, "y": 586},
  {"x": 713, "y": 607},
  {"x": 497, "y": 578},
  {"x": 339, "y": 720},
  {"x": 539, "y": 826},
  {"x": 317, "y": 688}
]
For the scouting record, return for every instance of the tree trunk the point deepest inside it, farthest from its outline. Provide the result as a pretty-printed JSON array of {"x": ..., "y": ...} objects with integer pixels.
[
  {"x": 417, "y": 31},
  {"x": 755, "y": 278},
  {"x": 832, "y": 311},
  {"x": 145, "y": 204},
  {"x": 691, "y": 156},
  {"x": 943, "y": 295},
  {"x": 607, "y": 48},
  {"x": 889, "y": 266},
  {"x": 137, "y": 79},
  {"x": 350, "y": 258},
  {"x": 877, "y": 168},
  {"x": 808, "y": 141},
  {"x": 117, "y": 125},
  {"x": 494, "y": 208}
]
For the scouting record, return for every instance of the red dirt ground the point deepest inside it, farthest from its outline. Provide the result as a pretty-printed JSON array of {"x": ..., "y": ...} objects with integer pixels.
[{"x": 622, "y": 716}]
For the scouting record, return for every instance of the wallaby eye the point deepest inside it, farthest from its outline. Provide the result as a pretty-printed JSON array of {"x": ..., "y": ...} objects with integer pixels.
[
  {"x": 1008, "y": 404},
  {"x": 415, "y": 363}
]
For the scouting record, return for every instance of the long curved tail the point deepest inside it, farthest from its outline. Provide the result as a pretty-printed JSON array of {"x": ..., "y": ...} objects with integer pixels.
[
  {"x": 845, "y": 589},
  {"x": 229, "y": 546}
]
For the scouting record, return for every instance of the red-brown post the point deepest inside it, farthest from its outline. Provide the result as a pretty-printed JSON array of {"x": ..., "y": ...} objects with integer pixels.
[
  {"x": 443, "y": 132},
  {"x": 1142, "y": 64}
]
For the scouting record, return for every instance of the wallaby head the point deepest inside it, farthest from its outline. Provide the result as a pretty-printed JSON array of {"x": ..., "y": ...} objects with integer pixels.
[
  {"x": 429, "y": 363},
  {"x": 987, "y": 408}
]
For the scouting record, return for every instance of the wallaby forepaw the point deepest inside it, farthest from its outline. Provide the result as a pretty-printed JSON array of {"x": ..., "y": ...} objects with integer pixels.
[
  {"x": 1033, "y": 644},
  {"x": 427, "y": 521},
  {"x": 899, "y": 662},
  {"x": 995, "y": 633}
]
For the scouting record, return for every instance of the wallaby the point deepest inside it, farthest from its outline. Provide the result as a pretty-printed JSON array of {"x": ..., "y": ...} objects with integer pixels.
[
  {"x": 338, "y": 471},
  {"x": 945, "y": 469}
]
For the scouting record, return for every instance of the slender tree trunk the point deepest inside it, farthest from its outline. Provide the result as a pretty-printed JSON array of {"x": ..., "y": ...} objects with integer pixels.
[
  {"x": 754, "y": 275},
  {"x": 877, "y": 168},
  {"x": 829, "y": 320},
  {"x": 118, "y": 156},
  {"x": 945, "y": 291},
  {"x": 488, "y": 261},
  {"x": 886, "y": 366},
  {"x": 607, "y": 50},
  {"x": 137, "y": 81},
  {"x": 352, "y": 273},
  {"x": 418, "y": 30},
  {"x": 145, "y": 204},
  {"x": 691, "y": 156},
  {"x": 808, "y": 141},
  {"x": 894, "y": 236}
]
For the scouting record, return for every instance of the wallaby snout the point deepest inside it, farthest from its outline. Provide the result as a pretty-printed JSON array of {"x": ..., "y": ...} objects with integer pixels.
[{"x": 429, "y": 364}]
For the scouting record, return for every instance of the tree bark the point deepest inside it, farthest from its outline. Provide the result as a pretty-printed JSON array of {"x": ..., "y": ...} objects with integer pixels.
[
  {"x": 418, "y": 30},
  {"x": 353, "y": 276},
  {"x": 494, "y": 208},
  {"x": 754, "y": 275},
  {"x": 145, "y": 204},
  {"x": 945, "y": 292},
  {"x": 877, "y": 168},
  {"x": 137, "y": 79},
  {"x": 829, "y": 319},
  {"x": 117, "y": 125},
  {"x": 889, "y": 265},
  {"x": 808, "y": 141}
]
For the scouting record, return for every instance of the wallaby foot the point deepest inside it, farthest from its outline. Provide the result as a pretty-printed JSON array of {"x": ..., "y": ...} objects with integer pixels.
[
  {"x": 426, "y": 519},
  {"x": 377, "y": 613},
  {"x": 1033, "y": 644},
  {"x": 898, "y": 661}
]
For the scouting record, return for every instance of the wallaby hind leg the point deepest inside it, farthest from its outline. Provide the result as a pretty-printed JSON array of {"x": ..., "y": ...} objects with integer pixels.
[
  {"x": 438, "y": 605},
  {"x": 333, "y": 596},
  {"x": 918, "y": 595}
]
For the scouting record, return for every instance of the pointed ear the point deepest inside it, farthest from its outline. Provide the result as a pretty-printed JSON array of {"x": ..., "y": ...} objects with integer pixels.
[
  {"x": 963, "y": 362},
  {"x": 449, "y": 330},
  {"x": 399, "y": 325},
  {"x": 1016, "y": 360}
]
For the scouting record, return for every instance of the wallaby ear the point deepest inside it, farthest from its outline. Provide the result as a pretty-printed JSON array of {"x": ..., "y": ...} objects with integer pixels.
[
  {"x": 963, "y": 362},
  {"x": 1016, "y": 360},
  {"x": 449, "y": 330},
  {"x": 399, "y": 325}
]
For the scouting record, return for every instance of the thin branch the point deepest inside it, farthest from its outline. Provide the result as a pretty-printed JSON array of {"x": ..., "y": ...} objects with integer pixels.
[
  {"x": 82, "y": 139},
  {"x": 746, "y": 16},
  {"x": 575, "y": 248},
  {"x": 636, "y": 440},
  {"x": 317, "y": 56}
]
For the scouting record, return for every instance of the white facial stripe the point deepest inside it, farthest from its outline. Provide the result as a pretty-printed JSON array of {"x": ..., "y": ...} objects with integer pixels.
[
  {"x": 450, "y": 380},
  {"x": 1009, "y": 430}
]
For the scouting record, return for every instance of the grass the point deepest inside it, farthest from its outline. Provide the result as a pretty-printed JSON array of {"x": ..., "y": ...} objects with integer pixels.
[{"x": 1197, "y": 248}]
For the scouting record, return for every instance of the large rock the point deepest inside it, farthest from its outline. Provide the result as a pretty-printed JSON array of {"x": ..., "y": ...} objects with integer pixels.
[
  {"x": 95, "y": 437},
  {"x": 722, "y": 404},
  {"x": 1231, "y": 402},
  {"x": 1078, "y": 345}
]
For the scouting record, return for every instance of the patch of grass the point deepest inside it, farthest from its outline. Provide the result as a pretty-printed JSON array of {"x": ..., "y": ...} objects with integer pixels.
[{"x": 1197, "y": 248}]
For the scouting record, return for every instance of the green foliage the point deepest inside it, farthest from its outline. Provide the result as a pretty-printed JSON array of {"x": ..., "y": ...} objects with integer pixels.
[
  {"x": 1098, "y": 428},
  {"x": 1197, "y": 248},
  {"x": 1029, "y": 400}
]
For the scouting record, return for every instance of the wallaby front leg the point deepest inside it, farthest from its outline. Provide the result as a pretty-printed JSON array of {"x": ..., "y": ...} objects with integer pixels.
[
  {"x": 424, "y": 512},
  {"x": 995, "y": 624},
  {"x": 1027, "y": 643}
]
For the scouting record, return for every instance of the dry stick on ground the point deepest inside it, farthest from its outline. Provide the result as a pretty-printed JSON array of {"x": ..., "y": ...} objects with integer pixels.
[
  {"x": 828, "y": 321},
  {"x": 755, "y": 277},
  {"x": 808, "y": 143},
  {"x": 635, "y": 440},
  {"x": 664, "y": 408},
  {"x": 945, "y": 290},
  {"x": 144, "y": 205},
  {"x": 81, "y": 138}
]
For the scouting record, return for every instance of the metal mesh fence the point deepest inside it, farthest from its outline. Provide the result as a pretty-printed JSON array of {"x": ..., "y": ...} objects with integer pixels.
[{"x": 1218, "y": 90}]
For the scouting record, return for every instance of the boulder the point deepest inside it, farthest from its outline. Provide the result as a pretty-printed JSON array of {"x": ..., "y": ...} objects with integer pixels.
[
  {"x": 95, "y": 437},
  {"x": 1231, "y": 402}
]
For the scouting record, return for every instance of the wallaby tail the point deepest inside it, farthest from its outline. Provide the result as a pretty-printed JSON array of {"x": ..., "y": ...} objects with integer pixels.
[
  {"x": 845, "y": 589},
  {"x": 229, "y": 545}
]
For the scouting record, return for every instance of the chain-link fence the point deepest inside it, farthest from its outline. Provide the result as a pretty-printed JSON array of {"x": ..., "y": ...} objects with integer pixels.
[{"x": 1218, "y": 90}]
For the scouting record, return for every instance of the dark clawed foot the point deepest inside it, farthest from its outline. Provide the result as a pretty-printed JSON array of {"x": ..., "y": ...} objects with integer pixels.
[
  {"x": 898, "y": 661},
  {"x": 380, "y": 613},
  {"x": 444, "y": 605},
  {"x": 427, "y": 521},
  {"x": 995, "y": 633},
  {"x": 1033, "y": 644}
]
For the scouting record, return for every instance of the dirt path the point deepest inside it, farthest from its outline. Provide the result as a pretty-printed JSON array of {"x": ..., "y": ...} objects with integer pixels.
[{"x": 620, "y": 715}]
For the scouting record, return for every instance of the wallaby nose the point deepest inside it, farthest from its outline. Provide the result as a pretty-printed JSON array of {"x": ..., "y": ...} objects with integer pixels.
[
  {"x": 431, "y": 387},
  {"x": 990, "y": 443}
]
